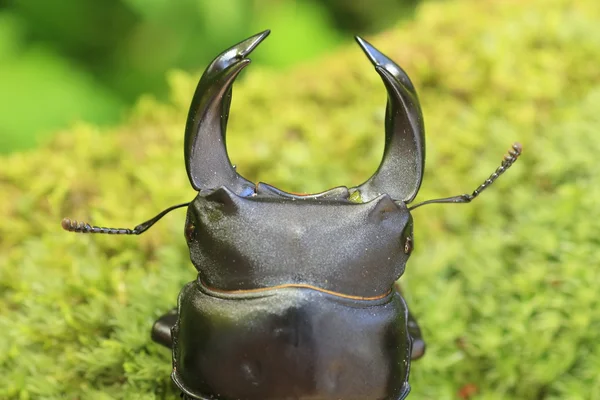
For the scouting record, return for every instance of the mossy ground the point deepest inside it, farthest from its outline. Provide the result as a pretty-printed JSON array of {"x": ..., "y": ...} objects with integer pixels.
[{"x": 505, "y": 289}]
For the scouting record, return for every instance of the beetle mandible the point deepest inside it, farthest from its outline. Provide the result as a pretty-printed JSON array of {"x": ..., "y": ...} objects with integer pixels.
[{"x": 296, "y": 295}]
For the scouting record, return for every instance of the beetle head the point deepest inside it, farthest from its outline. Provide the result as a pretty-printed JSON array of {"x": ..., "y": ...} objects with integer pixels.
[
  {"x": 271, "y": 239},
  {"x": 244, "y": 235},
  {"x": 259, "y": 227}
]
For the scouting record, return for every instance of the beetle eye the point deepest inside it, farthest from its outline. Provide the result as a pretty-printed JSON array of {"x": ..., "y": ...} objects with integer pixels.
[
  {"x": 408, "y": 245},
  {"x": 189, "y": 231}
]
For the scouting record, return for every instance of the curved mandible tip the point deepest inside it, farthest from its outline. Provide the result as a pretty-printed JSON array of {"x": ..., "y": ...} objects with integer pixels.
[
  {"x": 205, "y": 151},
  {"x": 401, "y": 170}
]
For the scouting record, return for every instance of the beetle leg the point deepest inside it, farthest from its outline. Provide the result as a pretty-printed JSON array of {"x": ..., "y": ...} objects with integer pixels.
[
  {"x": 418, "y": 344},
  {"x": 161, "y": 330}
]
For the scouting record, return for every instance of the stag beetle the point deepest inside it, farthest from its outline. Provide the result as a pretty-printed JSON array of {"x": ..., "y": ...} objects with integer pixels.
[{"x": 296, "y": 295}]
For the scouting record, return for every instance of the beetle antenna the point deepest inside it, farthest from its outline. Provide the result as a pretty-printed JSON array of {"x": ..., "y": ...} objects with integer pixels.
[
  {"x": 84, "y": 227},
  {"x": 513, "y": 153}
]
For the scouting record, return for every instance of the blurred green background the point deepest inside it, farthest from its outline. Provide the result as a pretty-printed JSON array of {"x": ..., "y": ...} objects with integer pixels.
[{"x": 67, "y": 60}]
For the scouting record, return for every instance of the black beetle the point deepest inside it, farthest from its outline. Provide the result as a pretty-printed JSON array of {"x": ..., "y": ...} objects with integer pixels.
[{"x": 296, "y": 296}]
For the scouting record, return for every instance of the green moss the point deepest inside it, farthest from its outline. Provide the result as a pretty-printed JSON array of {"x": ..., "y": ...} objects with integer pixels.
[
  {"x": 505, "y": 288},
  {"x": 355, "y": 197}
]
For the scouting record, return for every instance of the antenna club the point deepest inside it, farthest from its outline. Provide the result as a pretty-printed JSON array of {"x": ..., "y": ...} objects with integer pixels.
[
  {"x": 67, "y": 224},
  {"x": 75, "y": 226},
  {"x": 84, "y": 227},
  {"x": 513, "y": 154},
  {"x": 517, "y": 147}
]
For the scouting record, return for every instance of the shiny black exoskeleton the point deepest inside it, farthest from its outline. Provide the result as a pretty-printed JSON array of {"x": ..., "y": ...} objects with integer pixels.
[{"x": 296, "y": 296}]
